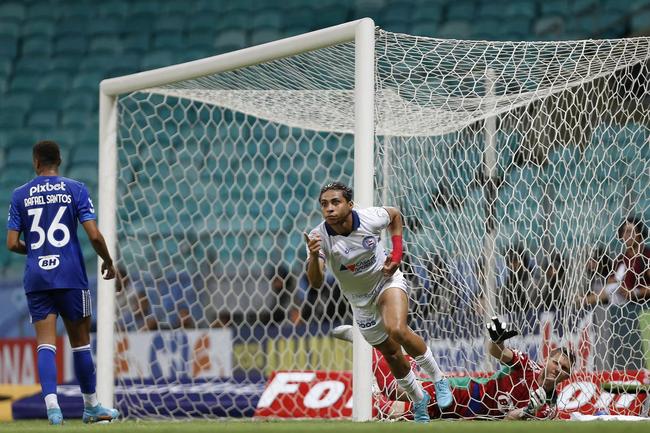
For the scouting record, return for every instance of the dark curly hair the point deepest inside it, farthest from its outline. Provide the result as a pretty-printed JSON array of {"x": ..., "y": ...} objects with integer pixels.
[
  {"x": 47, "y": 153},
  {"x": 337, "y": 186}
]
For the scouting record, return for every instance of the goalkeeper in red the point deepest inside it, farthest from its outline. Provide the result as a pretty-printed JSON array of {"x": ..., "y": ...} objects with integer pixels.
[
  {"x": 349, "y": 241},
  {"x": 521, "y": 389}
]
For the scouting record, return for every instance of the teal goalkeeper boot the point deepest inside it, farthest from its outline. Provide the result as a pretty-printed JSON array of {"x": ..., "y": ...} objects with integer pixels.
[
  {"x": 421, "y": 410},
  {"x": 54, "y": 416},
  {"x": 99, "y": 413}
]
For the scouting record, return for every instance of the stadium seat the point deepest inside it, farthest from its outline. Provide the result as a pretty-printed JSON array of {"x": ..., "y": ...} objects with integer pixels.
[
  {"x": 72, "y": 45},
  {"x": 230, "y": 40},
  {"x": 13, "y": 119},
  {"x": 169, "y": 41},
  {"x": 13, "y": 11},
  {"x": 454, "y": 30},
  {"x": 54, "y": 80},
  {"x": 8, "y": 46},
  {"x": 141, "y": 23},
  {"x": 87, "y": 81},
  {"x": 136, "y": 42},
  {"x": 43, "y": 119},
  {"x": 270, "y": 18},
  {"x": 83, "y": 173},
  {"x": 10, "y": 29},
  {"x": 39, "y": 27},
  {"x": 170, "y": 23},
  {"x": 20, "y": 101},
  {"x": 36, "y": 47},
  {"x": 583, "y": 7},
  {"x": 73, "y": 26},
  {"x": 24, "y": 83},
  {"x": 640, "y": 21},
  {"x": 263, "y": 35},
  {"x": 549, "y": 26},
  {"x": 294, "y": 30},
  {"x": 114, "y": 9},
  {"x": 326, "y": 17},
  {"x": 105, "y": 44}
]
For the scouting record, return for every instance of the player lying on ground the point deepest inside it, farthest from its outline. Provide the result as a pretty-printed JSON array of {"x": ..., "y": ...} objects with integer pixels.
[
  {"x": 46, "y": 211},
  {"x": 349, "y": 241},
  {"x": 521, "y": 389}
]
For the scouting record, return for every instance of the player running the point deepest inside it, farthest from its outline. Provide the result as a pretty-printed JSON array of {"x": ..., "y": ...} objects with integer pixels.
[
  {"x": 349, "y": 242},
  {"x": 46, "y": 210},
  {"x": 521, "y": 389}
]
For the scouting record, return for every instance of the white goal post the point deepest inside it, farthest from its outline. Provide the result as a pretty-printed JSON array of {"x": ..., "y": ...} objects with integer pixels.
[{"x": 362, "y": 33}]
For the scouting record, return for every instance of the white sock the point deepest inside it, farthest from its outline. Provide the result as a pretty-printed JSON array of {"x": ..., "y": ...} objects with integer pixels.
[
  {"x": 412, "y": 387},
  {"x": 51, "y": 401},
  {"x": 90, "y": 400},
  {"x": 429, "y": 365}
]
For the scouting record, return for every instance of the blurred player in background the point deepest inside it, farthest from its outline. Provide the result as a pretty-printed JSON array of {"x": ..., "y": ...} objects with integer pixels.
[
  {"x": 521, "y": 389},
  {"x": 46, "y": 211},
  {"x": 349, "y": 241}
]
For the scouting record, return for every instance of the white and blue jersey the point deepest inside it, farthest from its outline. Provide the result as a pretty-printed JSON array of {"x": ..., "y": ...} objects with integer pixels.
[
  {"x": 357, "y": 260},
  {"x": 47, "y": 210}
]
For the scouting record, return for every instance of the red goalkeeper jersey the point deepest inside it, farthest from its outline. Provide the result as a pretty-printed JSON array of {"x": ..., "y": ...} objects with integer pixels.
[
  {"x": 508, "y": 389},
  {"x": 491, "y": 397}
]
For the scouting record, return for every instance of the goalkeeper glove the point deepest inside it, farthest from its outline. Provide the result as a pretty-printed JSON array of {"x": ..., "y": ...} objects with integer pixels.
[
  {"x": 498, "y": 330},
  {"x": 537, "y": 400}
]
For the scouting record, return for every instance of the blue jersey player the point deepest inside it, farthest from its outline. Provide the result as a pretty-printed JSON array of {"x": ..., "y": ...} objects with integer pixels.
[{"x": 46, "y": 211}]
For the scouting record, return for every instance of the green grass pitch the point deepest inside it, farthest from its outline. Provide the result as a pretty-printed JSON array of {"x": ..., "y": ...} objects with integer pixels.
[{"x": 331, "y": 427}]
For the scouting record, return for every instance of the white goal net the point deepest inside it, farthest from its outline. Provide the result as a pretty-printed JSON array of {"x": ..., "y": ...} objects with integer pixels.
[{"x": 513, "y": 164}]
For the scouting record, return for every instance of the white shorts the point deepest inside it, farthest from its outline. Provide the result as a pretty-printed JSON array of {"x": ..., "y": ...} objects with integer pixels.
[{"x": 368, "y": 317}]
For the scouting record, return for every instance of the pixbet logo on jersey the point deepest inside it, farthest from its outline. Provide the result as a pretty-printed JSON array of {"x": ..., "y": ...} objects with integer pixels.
[
  {"x": 48, "y": 262},
  {"x": 47, "y": 187}
]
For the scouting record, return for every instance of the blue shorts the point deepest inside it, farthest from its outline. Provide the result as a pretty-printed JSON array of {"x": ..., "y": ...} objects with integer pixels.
[{"x": 71, "y": 304}]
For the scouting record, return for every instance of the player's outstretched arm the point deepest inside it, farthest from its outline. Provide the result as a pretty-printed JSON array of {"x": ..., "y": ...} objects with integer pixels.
[
  {"x": 99, "y": 245},
  {"x": 14, "y": 244},
  {"x": 499, "y": 333},
  {"x": 315, "y": 263}
]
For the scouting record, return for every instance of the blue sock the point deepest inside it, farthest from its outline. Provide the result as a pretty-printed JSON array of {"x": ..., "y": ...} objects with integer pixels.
[
  {"x": 46, "y": 359},
  {"x": 84, "y": 369}
]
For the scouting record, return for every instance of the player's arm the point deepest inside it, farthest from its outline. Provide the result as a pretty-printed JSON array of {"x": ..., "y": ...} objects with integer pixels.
[
  {"x": 516, "y": 415},
  {"x": 315, "y": 261},
  {"x": 14, "y": 243},
  {"x": 395, "y": 229},
  {"x": 499, "y": 333},
  {"x": 99, "y": 245}
]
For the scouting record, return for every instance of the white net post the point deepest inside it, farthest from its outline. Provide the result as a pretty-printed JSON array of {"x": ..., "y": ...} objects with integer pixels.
[
  {"x": 364, "y": 137},
  {"x": 107, "y": 225}
]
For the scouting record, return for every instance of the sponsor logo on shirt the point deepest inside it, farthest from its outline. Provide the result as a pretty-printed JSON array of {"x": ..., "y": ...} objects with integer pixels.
[
  {"x": 47, "y": 187},
  {"x": 361, "y": 266},
  {"x": 48, "y": 262}
]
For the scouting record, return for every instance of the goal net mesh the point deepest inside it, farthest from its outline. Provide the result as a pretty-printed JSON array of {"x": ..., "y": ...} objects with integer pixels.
[{"x": 513, "y": 164}]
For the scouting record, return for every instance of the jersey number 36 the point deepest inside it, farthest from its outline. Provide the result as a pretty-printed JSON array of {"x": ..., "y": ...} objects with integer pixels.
[{"x": 54, "y": 227}]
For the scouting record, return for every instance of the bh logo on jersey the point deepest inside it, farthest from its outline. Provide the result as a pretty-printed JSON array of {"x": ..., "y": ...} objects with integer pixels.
[
  {"x": 369, "y": 242},
  {"x": 48, "y": 262}
]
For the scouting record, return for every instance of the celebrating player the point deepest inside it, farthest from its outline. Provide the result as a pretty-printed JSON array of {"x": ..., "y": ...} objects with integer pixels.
[
  {"x": 46, "y": 210},
  {"x": 521, "y": 389},
  {"x": 349, "y": 241}
]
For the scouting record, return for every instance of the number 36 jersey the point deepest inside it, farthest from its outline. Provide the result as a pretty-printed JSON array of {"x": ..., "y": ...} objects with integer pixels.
[{"x": 46, "y": 210}]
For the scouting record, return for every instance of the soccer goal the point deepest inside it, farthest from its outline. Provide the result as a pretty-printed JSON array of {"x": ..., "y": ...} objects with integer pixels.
[{"x": 513, "y": 164}]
